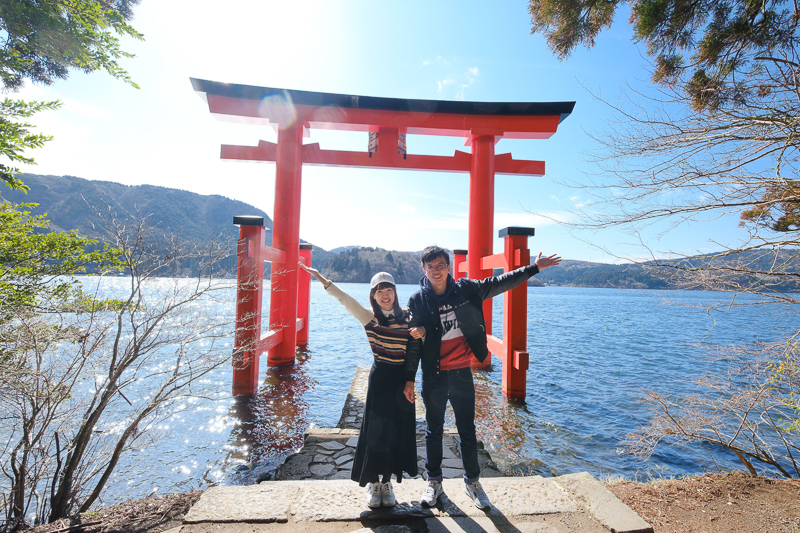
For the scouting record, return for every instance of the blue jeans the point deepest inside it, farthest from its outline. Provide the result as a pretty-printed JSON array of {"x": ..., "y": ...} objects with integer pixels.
[{"x": 458, "y": 387}]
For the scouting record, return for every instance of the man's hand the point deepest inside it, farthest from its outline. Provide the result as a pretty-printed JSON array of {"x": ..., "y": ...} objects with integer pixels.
[
  {"x": 409, "y": 391},
  {"x": 418, "y": 332},
  {"x": 547, "y": 262}
]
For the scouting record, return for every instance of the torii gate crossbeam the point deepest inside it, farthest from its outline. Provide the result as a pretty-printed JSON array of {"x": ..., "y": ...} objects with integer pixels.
[{"x": 482, "y": 124}]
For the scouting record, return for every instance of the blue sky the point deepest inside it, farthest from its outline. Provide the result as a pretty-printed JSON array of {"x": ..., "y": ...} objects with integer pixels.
[{"x": 163, "y": 134}]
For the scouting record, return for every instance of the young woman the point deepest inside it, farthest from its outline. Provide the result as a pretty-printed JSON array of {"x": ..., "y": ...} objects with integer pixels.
[{"x": 387, "y": 440}]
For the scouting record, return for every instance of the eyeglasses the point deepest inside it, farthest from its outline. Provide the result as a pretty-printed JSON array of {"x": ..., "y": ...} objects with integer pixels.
[{"x": 436, "y": 268}]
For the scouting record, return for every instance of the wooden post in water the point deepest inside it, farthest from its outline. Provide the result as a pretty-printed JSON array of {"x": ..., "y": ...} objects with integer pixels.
[
  {"x": 303, "y": 296},
  {"x": 512, "y": 350},
  {"x": 250, "y": 277}
]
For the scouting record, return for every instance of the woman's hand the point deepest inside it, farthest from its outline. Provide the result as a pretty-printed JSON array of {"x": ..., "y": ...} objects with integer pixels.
[
  {"x": 314, "y": 272},
  {"x": 418, "y": 332},
  {"x": 409, "y": 391}
]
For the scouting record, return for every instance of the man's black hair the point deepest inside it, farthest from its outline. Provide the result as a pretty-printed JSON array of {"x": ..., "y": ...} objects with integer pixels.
[{"x": 434, "y": 252}]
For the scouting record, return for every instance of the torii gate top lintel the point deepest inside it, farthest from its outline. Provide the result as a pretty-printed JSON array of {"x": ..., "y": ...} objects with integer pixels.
[{"x": 268, "y": 105}]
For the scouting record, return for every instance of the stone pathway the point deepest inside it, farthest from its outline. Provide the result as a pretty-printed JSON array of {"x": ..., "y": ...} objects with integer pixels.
[
  {"x": 315, "y": 495},
  {"x": 327, "y": 453},
  {"x": 565, "y": 504}
]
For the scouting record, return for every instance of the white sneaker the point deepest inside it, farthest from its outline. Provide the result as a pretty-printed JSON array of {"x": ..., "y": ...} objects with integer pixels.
[
  {"x": 387, "y": 495},
  {"x": 478, "y": 495},
  {"x": 432, "y": 493},
  {"x": 374, "y": 495}
]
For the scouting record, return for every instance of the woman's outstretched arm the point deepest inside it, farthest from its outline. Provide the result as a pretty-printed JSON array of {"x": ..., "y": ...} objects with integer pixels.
[
  {"x": 361, "y": 313},
  {"x": 314, "y": 272}
]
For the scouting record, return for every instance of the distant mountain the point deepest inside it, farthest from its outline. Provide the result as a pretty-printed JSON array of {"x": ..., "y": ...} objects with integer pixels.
[
  {"x": 341, "y": 249},
  {"x": 731, "y": 270},
  {"x": 69, "y": 203},
  {"x": 358, "y": 265},
  {"x": 648, "y": 276},
  {"x": 601, "y": 275}
]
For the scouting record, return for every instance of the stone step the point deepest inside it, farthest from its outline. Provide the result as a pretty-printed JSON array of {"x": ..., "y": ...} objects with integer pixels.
[{"x": 575, "y": 502}]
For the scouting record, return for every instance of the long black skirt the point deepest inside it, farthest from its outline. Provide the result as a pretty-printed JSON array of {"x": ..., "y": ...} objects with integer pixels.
[{"x": 387, "y": 442}]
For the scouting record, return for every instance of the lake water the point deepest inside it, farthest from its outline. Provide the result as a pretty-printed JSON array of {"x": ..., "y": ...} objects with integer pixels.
[{"x": 592, "y": 354}]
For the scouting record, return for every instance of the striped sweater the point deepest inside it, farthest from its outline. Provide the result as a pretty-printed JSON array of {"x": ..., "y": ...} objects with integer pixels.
[{"x": 388, "y": 344}]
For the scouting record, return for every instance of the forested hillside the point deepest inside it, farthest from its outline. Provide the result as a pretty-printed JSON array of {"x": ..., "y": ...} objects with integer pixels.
[
  {"x": 70, "y": 203},
  {"x": 587, "y": 274},
  {"x": 358, "y": 265}
]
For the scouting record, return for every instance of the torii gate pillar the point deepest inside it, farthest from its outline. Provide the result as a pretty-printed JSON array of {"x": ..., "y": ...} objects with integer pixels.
[
  {"x": 286, "y": 237},
  {"x": 481, "y": 217}
]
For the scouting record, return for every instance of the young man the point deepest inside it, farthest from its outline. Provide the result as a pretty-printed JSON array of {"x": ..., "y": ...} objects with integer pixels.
[{"x": 452, "y": 314}]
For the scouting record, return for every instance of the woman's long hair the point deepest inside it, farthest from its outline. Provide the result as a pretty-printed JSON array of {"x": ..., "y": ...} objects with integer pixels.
[{"x": 399, "y": 315}]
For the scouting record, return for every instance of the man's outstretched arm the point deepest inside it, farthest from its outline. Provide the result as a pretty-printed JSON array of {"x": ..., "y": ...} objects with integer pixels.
[{"x": 491, "y": 287}]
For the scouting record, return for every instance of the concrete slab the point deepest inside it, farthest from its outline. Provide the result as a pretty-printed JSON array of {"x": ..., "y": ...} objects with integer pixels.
[
  {"x": 326, "y": 501},
  {"x": 253, "y": 503},
  {"x": 520, "y": 505},
  {"x": 602, "y": 504},
  {"x": 509, "y": 496},
  {"x": 385, "y": 529}
]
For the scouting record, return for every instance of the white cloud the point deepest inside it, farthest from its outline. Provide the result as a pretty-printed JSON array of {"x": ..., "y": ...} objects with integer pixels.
[
  {"x": 444, "y": 83},
  {"x": 456, "y": 76},
  {"x": 438, "y": 60},
  {"x": 577, "y": 203},
  {"x": 406, "y": 209}
]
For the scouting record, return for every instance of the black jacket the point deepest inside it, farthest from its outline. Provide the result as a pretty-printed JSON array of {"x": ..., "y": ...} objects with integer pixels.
[{"x": 466, "y": 296}]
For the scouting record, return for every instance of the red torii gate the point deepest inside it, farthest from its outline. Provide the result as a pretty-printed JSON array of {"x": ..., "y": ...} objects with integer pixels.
[{"x": 482, "y": 124}]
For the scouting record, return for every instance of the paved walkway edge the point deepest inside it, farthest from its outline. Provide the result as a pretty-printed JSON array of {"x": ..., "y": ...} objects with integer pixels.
[{"x": 602, "y": 504}]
